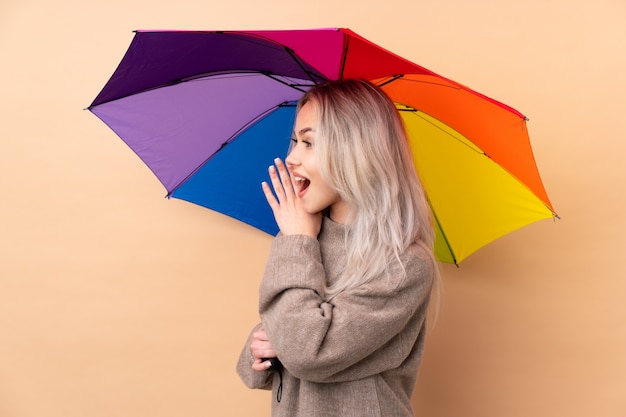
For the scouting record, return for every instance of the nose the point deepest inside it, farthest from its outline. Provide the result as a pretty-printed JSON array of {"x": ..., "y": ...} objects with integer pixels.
[{"x": 292, "y": 158}]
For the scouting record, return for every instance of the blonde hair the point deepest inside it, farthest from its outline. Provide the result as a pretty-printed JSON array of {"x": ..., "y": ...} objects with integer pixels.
[{"x": 362, "y": 151}]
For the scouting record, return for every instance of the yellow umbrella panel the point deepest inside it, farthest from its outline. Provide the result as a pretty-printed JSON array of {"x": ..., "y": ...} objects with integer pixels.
[{"x": 474, "y": 199}]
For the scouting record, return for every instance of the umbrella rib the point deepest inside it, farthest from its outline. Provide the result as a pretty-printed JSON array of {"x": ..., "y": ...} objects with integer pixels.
[
  {"x": 194, "y": 78},
  {"x": 298, "y": 61},
  {"x": 344, "y": 58},
  {"x": 315, "y": 78},
  {"x": 443, "y": 234},
  {"x": 400, "y": 76},
  {"x": 251, "y": 122},
  {"x": 391, "y": 79},
  {"x": 288, "y": 84},
  {"x": 416, "y": 111},
  {"x": 454, "y": 85},
  {"x": 479, "y": 151},
  {"x": 226, "y": 142}
]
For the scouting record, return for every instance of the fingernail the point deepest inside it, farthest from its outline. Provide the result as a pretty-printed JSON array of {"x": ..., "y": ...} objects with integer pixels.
[
  {"x": 268, "y": 364},
  {"x": 272, "y": 168},
  {"x": 277, "y": 161}
]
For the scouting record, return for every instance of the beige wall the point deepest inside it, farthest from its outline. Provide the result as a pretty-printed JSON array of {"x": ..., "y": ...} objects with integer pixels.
[{"x": 117, "y": 302}]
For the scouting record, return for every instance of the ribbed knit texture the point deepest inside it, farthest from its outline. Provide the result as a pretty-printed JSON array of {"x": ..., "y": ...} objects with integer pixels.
[{"x": 357, "y": 355}]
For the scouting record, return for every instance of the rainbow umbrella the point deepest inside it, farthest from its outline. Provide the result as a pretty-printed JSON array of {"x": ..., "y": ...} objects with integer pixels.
[{"x": 207, "y": 111}]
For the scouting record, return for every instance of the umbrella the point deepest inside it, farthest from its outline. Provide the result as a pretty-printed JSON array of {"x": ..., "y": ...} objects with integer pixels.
[{"x": 207, "y": 111}]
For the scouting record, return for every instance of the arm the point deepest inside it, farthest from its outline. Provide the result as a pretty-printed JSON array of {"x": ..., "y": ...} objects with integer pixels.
[
  {"x": 328, "y": 342},
  {"x": 247, "y": 362}
]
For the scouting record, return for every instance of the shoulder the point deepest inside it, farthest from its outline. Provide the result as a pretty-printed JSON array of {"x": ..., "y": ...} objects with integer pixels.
[
  {"x": 419, "y": 265},
  {"x": 412, "y": 274}
]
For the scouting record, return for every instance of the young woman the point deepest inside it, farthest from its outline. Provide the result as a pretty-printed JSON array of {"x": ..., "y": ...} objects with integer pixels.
[{"x": 344, "y": 295}]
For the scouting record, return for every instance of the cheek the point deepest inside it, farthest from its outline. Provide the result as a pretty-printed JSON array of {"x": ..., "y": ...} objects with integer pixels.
[{"x": 327, "y": 195}]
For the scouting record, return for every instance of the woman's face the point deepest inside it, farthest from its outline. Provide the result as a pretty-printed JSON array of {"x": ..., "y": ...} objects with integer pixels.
[{"x": 315, "y": 194}]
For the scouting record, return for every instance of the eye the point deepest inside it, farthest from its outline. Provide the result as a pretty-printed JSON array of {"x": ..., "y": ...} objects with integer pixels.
[{"x": 307, "y": 143}]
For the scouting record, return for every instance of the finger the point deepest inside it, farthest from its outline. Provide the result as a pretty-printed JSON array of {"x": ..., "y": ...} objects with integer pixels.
[
  {"x": 260, "y": 334},
  {"x": 260, "y": 365},
  {"x": 261, "y": 348},
  {"x": 285, "y": 178},
  {"x": 277, "y": 185},
  {"x": 267, "y": 352},
  {"x": 269, "y": 196}
]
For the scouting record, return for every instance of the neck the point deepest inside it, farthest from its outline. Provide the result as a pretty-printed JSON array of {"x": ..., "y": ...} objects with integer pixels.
[{"x": 339, "y": 212}]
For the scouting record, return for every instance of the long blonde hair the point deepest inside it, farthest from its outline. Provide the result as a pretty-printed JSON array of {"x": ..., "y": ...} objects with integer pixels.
[{"x": 362, "y": 151}]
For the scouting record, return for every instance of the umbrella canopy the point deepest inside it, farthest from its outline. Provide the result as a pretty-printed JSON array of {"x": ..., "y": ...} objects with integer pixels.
[{"x": 207, "y": 111}]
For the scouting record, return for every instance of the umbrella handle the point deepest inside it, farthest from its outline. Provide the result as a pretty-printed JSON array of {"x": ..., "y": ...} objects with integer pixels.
[{"x": 276, "y": 366}]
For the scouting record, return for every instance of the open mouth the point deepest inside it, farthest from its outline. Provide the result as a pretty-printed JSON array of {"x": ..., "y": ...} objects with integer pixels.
[{"x": 301, "y": 184}]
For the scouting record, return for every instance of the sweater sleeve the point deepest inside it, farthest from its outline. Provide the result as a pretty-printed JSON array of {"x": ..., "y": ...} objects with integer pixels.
[
  {"x": 330, "y": 341},
  {"x": 251, "y": 378}
]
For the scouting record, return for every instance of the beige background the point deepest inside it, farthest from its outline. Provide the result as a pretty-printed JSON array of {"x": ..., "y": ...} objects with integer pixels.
[{"x": 117, "y": 302}]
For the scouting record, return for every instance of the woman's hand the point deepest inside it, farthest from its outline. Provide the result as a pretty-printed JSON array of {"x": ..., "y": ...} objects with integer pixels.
[
  {"x": 290, "y": 216},
  {"x": 261, "y": 348}
]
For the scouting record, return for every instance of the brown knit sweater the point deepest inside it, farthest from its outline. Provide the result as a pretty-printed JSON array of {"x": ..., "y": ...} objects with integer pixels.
[{"x": 357, "y": 355}]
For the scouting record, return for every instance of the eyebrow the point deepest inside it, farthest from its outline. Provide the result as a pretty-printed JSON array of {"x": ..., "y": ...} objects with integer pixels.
[{"x": 305, "y": 130}]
